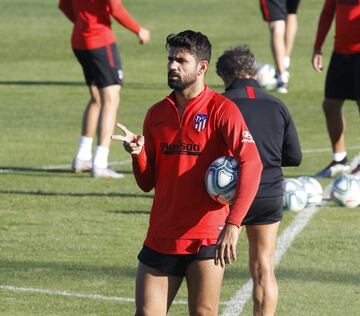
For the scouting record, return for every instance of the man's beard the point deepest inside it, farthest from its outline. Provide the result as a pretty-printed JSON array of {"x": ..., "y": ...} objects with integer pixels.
[{"x": 180, "y": 84}]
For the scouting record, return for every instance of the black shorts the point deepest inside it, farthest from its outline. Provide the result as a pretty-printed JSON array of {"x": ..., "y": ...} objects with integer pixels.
[
  {"x": 343, "y": 77},
  {"x": 264, "y": 210},
  {"x": 101, "y": 66},
  {"x": 273, "y": 10},
  {"x": 174, "y": 265}
]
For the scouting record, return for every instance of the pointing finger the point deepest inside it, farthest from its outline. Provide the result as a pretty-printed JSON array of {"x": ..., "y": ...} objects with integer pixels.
[{"x": 120, "y": 137}]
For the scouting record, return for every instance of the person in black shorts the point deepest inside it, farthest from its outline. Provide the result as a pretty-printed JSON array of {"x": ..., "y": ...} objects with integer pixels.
[
  {"x": 282, "y": 18},
  {"x": 275, "y": 135},
  {"x": 343, "y": 77},
  {"x": 94, "y": 45}
]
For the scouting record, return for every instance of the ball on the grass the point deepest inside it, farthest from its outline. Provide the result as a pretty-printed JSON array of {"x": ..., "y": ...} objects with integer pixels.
[
  {"x": 345, "y": 191},
  {"x": 313, "y": 189},
  {"x": 295, "y": 196}
]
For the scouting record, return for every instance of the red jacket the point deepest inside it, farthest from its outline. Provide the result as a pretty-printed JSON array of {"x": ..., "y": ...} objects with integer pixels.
[
  {"x": 92, "y": 21},
  {"x": 347, "y": 32},
  {"x": 175, "y": 159}
]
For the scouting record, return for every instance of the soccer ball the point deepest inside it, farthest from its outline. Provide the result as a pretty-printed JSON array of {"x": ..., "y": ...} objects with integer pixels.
[
  {"x": 346, "y": 191},
  {"x": 221, "y": 179},
  {"x": 313, "y": 189},
  {"x": 295, "y": 196},
  {"x": 266, "y": 76}
]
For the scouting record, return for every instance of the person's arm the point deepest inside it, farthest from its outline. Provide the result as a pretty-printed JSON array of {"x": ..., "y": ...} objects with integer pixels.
[
  {"x": 291, "y": 153},
  {"x": 66, "y": 8},
  {"x": 141, "y": 149},
  {"x": 121, "y": 15},
  {"x": 243, "y": 148},
  {"x": 324, "y": 24}
]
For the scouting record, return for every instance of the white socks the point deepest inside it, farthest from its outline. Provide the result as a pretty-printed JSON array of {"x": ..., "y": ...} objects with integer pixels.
[
  {"x": 287, "y": 62},
  {"x": 84, "y": 150},
  {"x": 339, "y": 156},
  {"x": 284, "y": 77},
  {"x": 101, "y": 157}
]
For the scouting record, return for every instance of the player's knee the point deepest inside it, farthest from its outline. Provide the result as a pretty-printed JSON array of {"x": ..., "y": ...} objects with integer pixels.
[
  {"x": 144, "y": 311},
  {"x": 263, "y": 272},
  {"x": 205, "y": 310}
]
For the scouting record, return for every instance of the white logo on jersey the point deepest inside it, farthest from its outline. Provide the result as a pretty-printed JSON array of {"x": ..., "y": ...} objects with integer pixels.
[
  {"x": 120, "y": 74},
  {"x": 247, "y": 138}
]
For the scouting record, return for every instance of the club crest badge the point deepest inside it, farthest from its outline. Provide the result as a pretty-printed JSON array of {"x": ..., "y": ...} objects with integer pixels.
[{"x": 200, "y": 122}]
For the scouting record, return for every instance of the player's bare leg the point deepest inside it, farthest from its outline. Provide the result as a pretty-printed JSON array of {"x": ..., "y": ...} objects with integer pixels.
[
  {"x": 83, "y": 159},
  {"x": 110, "y": 99},
  {"x": 290, "y": 34},
  {"x": 277, "y": 41},
  {"x": 155, "y": 291},
  {"x": 335, "y": 122},
  {"x": 262, "y": 244},
  {"x": 204, "y": 280},
  {"x": 91, "y": 113}
]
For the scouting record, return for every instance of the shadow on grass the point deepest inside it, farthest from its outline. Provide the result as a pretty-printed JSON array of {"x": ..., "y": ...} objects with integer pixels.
[
  {"x": 24, "y": 170},
  {"x": 77, "y": 194},
  {"x": 319, "y": 275},
  {"x": 129, "y": 85},
  {"x": 305, "y": 275},
  {"x": 73, "y": 270},
  {"x": 131, "y": 212}
]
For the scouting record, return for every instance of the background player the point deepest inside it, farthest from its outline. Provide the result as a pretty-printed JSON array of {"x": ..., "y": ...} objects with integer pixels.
[
  {"x": 173, "y": 155},
  {"x": 94, "y": 45},
  {"x": 343, "y": 75},
  {"x": 282, "y": 18},
  {"x": 274, "y": 132}
]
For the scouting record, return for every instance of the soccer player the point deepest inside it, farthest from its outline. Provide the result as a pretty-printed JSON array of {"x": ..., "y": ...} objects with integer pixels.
[
  {"x": 190, "y": 235},
  {"x": 282, "y": 18},
  {"x": 94, "y": 45},
  {"x": 275, "y": 135},
  {"x": 343, "y": 75}
]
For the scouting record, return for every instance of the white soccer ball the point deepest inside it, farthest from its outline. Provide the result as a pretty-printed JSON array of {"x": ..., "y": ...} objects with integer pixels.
[
  {"x": 295, "y": 196},
  {"x": 345, "y": 191},
  {"x": 266, "y": 76},
  {"x": 221, "y": 179},
  {"x": 313, "y": 189}
]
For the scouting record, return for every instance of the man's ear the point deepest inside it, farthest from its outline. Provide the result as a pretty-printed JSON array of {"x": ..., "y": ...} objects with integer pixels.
[{"x": 203, "y": 67}]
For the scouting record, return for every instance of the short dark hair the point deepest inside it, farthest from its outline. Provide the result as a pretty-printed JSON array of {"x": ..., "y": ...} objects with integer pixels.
[
  {"x": 238, "y": 62},
  {"x": 196, "y": 43}
]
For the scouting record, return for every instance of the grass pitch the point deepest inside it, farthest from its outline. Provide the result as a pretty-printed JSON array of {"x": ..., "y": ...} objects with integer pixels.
[{"x": 61, "y": 232}]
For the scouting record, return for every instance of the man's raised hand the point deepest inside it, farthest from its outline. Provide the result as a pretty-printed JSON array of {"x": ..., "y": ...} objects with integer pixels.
[{"x": 132, "y": 143}]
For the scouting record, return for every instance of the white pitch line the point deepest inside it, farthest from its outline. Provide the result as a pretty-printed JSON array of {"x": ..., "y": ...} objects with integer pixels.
[
  {"x": 237, "y": 303},
  {"x": 322, "y": 150},
  {"x": 128, "y": 161},
  {"x": 76, "y": 295},
  {"x": 59, "y": 167}
]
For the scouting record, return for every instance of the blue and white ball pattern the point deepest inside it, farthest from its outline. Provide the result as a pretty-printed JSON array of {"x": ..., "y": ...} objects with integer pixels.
[
  {"x": 313, "y": 189},
  {"x": 295, "y": 196},
  {"x": 345, "y": 191},
  {"x": 221, "y": 179}
]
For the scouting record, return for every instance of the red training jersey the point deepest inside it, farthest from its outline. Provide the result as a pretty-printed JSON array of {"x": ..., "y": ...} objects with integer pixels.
[
  {"x": 347, "y": 30},
  {"x": 92, "y": 21},
  {"x": 176, "y": 155}
]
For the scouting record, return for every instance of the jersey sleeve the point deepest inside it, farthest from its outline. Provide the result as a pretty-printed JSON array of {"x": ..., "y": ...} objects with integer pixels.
[
  {"x": 66, "y": 8},
  {"x": 121, "y": 15},
  {"x": 324, "y": 24},
  {"x": 242, "y": 146},
  {"x": 143, "y": 164},
  {"x": 291, "y": 151}
]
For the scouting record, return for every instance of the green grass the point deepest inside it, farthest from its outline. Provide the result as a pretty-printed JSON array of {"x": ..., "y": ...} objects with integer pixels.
[{"x": 63, "y": 232}]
